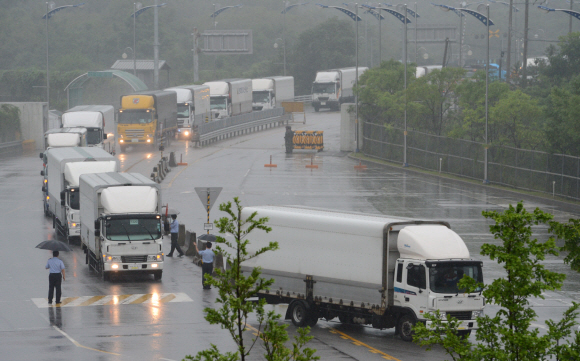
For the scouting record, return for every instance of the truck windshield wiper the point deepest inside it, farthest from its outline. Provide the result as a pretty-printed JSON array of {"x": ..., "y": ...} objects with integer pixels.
[
  {"x": 126, "y": 231},
  {"x": 150, "y": 235}
]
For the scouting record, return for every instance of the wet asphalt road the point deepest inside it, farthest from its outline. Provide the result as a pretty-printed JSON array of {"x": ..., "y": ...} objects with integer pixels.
[{"x": 164, "y": 320}]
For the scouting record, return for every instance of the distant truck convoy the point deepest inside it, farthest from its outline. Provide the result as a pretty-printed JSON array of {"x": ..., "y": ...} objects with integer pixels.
[
  {"x": 192, "y": 101},
  {"x": 270, "y": 92},
  {"x": 63, "y": 168},
  {"x": 121, "y": 224},
  {"x": 230, "y": 97},
  {"x": 366, "y": 269},
  {"x": 109, "y": 127},
  {"x": 333, "y": 87},
  {"x": 147, "y": 118}
]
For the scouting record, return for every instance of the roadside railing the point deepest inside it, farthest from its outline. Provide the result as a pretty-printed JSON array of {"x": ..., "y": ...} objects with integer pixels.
[{"x": 11, "y": 148}]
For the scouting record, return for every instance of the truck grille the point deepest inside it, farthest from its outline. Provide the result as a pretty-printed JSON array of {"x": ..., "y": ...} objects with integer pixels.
[
  {"x": 463, "y": 315},
  {"x": 134, "y": 133},
  {"x": 133, "y": 259},
  {"x": 180, "y": 122},
  {"x": 323, "y": 99}
]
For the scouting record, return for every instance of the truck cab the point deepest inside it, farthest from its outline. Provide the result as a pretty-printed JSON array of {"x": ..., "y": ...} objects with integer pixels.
[
  {"x": 185, "y": 111},
  {"x": 93, "y": 122},
  {"x": 263, "y": 96}
]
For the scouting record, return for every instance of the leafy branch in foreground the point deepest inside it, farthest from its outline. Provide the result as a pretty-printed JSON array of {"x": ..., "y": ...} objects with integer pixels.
[{"x": 235, "y": 291}]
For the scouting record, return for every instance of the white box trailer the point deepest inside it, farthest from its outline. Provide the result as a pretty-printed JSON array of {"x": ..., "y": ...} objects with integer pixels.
[
  {"x": 121, "y": 223},
  {"x": 333, "y": 87},
  {"x": 270, "y": 92},
  {"x": 367, "y": 269},
  {"x": 109, "y": 125},
  {"x": 192, "y": 102},
  {"x": 63, "y": 168},
  {"x": 230, "y": 97}
]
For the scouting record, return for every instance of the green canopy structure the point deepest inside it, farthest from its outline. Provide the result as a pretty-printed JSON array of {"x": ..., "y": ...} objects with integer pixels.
[{"x": 74, "y": 90}]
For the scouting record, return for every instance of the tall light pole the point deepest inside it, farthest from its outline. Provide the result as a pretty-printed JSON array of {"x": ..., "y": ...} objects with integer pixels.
[
  {"x": 138, "y": 10},
  {"x": 214, "y": 16},
  {"x": 487, "y": 22},
  {"x": 286, "y": 8},
  {"x": 51, "y": 10},
  {"x": 135, "y": 5}
]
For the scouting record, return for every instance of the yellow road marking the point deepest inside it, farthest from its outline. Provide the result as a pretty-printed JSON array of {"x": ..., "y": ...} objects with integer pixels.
[
  {"x": 92, "y": 300},
  {"x": 167, "y": 298},
  {"x": 358, "y": 343},
  {"x": 117, "y": 299},
  {"x": 66, "y": 300},
  {"x": 142, "y": 299}
]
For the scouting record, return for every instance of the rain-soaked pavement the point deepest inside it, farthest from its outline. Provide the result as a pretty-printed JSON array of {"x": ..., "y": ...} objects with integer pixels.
[{"x": 139, "y": 318}]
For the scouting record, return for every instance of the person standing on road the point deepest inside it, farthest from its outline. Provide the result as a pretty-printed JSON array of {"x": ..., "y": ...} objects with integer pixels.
[
  {"x": 56, "y": 276},
  {"x": 207, "y": 256},
  {"x": 174, "y": 229},
  {"x": 289, "y": 139}
]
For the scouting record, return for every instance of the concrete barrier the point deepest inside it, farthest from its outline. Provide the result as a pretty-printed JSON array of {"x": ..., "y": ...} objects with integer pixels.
[{"x": 181, "y": 235}]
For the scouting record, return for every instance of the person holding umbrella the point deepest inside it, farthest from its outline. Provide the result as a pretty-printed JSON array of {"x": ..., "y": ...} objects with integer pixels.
[
  {"x": 56, "y": 276},
  {"x": 207, "y": 256}
]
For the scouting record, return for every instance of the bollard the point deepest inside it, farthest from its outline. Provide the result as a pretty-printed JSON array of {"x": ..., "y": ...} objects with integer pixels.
[
  {"x": 172, "y": 162},
  {"x": 440, "y": 160},
  {"x": 181, "y": 160},
  {"x": 270, "y": 165},
  {"x": 553, "y": 189},
  {"x": 360, "y": 166},
  {"x": 190, "y": 237}
]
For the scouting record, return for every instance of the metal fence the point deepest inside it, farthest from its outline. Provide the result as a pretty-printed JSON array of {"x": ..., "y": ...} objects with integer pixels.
[{"x": 537, "y": 171}]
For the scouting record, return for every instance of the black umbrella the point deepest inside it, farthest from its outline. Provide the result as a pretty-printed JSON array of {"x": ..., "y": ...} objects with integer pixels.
[
  {"x": 54, "y": 246},
  {"x": 169, "y": 211},
  {"x": 207, "y": 237}
]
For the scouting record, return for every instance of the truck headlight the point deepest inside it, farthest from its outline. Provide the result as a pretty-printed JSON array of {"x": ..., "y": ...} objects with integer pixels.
[
  {"x": 476, "y": 314},
  {"x": 155, "y": 257},
  {"x": 72, "y": 225},
  {"x": 442, "y": 315},
  {"x": 108, "y": 258},
  {"x": 186, "y": 133}
]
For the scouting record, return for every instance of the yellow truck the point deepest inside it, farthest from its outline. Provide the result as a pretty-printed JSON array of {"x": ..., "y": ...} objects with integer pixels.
[{"x": 147, "y": 118}]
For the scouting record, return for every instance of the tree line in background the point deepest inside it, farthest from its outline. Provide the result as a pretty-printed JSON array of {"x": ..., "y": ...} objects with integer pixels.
[
  {"x": 541, "y": 115},
  {"x": 9, "y": 123}
]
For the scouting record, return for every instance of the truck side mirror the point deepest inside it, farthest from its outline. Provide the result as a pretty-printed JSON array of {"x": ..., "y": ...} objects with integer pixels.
[
  {"x": 41, "y": 155},
  {"x": 97, "y": 232},
  {"x": 42, "y": 172},
  {"x": 62, "y": 196},
  {"x": 104, "y": 135},
  {"x": 97, "y": 224},
  {"x": 43, "y": 189}
]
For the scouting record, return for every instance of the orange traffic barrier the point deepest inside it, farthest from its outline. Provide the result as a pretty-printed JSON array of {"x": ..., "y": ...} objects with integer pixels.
[
  {"x": 181, "y": 160},
  {"x": 360, "y": 166}
]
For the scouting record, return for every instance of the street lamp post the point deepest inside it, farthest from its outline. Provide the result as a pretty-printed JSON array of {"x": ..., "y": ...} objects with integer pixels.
[
  {"x": 138, "y": 10},
  {"x": 487, "y": 22},
  {"x": 214, "y": 16},
  {"x": 49, "y": 12},
  {"x": 286, "y": 8}
]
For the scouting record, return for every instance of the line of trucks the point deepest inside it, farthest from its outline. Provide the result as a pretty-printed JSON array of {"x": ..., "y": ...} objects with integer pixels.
[{"x": 114, "y": 216}]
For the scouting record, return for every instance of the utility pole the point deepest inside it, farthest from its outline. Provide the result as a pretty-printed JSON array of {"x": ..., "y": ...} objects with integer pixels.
[
  {"x": 195, "y": 55},
  {"x": 156, "y": 46},
  {"x": 47, "y": 79},
  {"x": 525, "y": 54},
  {"x": 134, "y": 41},
  {"x": 509, "y": 44}
]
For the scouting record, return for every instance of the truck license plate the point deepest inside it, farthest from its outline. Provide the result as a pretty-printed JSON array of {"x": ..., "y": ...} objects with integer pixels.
[
  {"x": 134, "y": 140},
  {"x": 133, "y": 267},
  {"x": 322, "y": 103}
]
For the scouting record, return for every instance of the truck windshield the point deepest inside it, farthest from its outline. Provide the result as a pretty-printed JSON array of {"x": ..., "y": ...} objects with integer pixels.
[
  {"x": 261, "y": 97},
  {"x": 323, "y": 88},
  {"x": 217, "y": 102},
  {"x": 74, "y": 199},
  {"x": 444, "y": 276},
  {"x": 133, "y": 229},
  {"x": 182, "y": 111},
  {"x": 138, "y": 117},
  {"x": 94, "y": 136}
]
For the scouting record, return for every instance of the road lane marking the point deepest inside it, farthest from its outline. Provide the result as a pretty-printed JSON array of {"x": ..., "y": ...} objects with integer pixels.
[
  {"x": 108, "y": 300},
  {"x": 75, "y": 342},
  {"x": 359, "y": 343}
]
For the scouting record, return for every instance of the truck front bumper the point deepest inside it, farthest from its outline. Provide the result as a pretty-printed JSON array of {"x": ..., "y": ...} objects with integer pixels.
[
  {"x": 184, "y": 133},
  {"x": 129, "y": 141},
  {"x": 464, "y": 325},
  {"x": 148, "y": 267},
  {"x": 325, "y": 104}
]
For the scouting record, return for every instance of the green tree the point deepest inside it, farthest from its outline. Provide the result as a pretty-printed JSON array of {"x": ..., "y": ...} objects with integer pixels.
[
  {"x": 235, "y": 289},
  {"x": 434, "y": 97},
  {"x": 516, "y": 119},
  {"x": 564, "y": 60},
  {"x": 9, "y": 123},
  {"x": 508, "y": 334},
  {"x": 326, "y": 46},
  {"x": 563, "y": 112}
]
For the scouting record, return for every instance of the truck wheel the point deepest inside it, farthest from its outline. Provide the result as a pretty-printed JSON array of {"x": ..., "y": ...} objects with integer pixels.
[
  {"x": 316, "y": 109},
  {"x": 158, "y": 275},
  {"x": 313, "y": 320},
  {"x": 86, "y": 257},
  {"x": 406, "y": 324},
  {"x": 106, "y": 276},
  {"x": 122, "y": 148},
  {"x": 344, "y": 319},
  {"x": 299, "y": 314}
]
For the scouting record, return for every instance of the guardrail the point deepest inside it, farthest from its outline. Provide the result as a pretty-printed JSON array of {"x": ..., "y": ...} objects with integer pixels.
[
  {"x": 241, "y": 124},
  {"x": 303, "y": 98},
  {"x": 11, "y": 148}
]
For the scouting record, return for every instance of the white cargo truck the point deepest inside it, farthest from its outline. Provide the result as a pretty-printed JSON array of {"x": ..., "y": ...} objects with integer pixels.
[
  {"x": 121, "y": 224},
  {"x": 192, "y": 101},
  {"x": 110, "y": 128},
  {"x": 92, "y": 121},
  {"x": 333, "y": 87},
  {"x": 230, "y": 97},
  {"x": 63, "y": 168},
  {"x": 270, "y": 92},
  {"x": 58, "y": 138},
  {"x": 365, "y": 269}
]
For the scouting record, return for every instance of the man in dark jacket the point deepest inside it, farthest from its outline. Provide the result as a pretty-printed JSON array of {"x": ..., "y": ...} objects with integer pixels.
[{"x": 289, "y": 139}]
